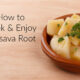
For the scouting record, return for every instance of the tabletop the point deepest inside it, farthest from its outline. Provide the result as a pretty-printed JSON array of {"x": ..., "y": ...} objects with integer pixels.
[{"x": 26, "y": 60}]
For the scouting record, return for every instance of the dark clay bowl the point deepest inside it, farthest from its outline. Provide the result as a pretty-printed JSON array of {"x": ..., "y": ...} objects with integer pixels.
[{"x": 66, "y": 64}]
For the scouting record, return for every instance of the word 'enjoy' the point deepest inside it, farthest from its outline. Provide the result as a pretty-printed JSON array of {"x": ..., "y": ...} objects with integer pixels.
[{"x": 25, "y": 28}]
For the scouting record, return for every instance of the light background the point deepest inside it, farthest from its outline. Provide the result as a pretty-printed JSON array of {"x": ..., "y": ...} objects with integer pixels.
[{"x": 26, "y": 61}]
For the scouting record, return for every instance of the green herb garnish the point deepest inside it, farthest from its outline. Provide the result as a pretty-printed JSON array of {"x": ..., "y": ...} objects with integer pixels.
[
  {"x": 67, "y": 34},
  {"x": 75, "y": 31},
  {"x": 76, "y": 27},
  {"x": 60, "y": 39},
  {"x": 78, "y": 36},
  {"x": 66, "y": 23},
  {"x": 58, "y": 25},
  {"x": 73, "y": 34},
  {"x": 76, "y": 49}
]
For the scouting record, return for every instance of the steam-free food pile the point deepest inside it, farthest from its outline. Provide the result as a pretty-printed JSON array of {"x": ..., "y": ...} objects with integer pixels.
[{"x": 65, "y": 34}]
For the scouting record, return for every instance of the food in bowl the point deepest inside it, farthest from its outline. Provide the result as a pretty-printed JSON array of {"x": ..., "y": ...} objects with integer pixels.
[{"x": 65, "y": 35}]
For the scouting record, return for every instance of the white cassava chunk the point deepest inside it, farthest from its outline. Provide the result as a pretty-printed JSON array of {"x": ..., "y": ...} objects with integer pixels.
[
  {"x": 62, "y": 48},
  {"x": 67, "y": 26},
  {"x": 53, "y": 26}
]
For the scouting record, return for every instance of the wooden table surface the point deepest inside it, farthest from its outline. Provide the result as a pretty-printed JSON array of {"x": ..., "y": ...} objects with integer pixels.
[{"x": 24, "y": 60}]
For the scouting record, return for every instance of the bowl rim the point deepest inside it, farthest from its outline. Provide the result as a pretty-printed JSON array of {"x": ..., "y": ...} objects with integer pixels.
[{"x": 51, "y": 53}]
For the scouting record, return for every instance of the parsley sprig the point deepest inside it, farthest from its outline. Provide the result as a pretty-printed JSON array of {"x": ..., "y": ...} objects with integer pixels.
[
  {"x": 60, "y": 39},
  {"x": 75, "y": 31},
  {"x": 58, "y": 25}
]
